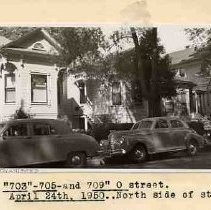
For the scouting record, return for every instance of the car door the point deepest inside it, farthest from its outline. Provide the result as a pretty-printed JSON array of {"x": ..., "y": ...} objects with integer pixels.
[
  {"x": 47, "y": 142},
  {"x": 178, "y": 133},
  {"x": 16, "y": 147},
  {"x": 161, "y": 136}
]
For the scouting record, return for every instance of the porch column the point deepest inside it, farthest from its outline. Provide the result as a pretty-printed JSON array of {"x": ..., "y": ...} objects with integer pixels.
[
  {"x": 187, "y": 93},
  {"x": 85, "y": 123},
  {"x": 191, "y": 99},
  {"x": 197, "y": 102}
]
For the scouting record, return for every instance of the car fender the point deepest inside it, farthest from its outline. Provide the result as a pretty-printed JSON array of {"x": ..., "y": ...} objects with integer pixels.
[
  {"x": 135, "y": 140},
  {"x": 192, "y": 136}
]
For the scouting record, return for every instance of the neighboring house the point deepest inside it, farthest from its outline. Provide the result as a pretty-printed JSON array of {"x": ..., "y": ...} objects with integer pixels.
[
  {"x": 28, "y": 76},
  {"x": 193, "y": 84},
  {"x": 90, "y": 101}
]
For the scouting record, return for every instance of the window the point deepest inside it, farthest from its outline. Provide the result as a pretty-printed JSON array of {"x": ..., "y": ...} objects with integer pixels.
[
  {"x": 44, "y": 129},
  {"x": 145, "y": 124},
  {"x": 116, "y": 93},
  {"x": 82, "y": 92},
  {"x": 142, "y": 125},
  {"x": 41, "y": 129},
  {"x": 38, "y": 46},
  {"x": 161, "y": 123},
  {"x": 38, "y": 88},
  {"x": 16, "y": 130},
  {"x": 176, "y": 124},
  {"x": 10, "y": 96},
  {"x": 136, "y": 92},
  {"x": 135, "y": 126}
]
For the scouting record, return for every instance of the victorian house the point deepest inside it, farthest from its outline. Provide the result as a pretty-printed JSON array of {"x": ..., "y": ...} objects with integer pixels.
[
  {"x": 192, "y": 74},
  {"x": 28, "y": 76}
]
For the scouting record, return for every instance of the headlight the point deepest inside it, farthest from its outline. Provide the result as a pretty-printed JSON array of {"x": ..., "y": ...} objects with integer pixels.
[{"x": 121, "y": 140}]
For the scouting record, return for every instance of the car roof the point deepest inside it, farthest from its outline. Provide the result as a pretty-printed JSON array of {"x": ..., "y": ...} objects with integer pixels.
[
  {"x": 28, "y": 120},
  {"x": 157, "y": 118}
]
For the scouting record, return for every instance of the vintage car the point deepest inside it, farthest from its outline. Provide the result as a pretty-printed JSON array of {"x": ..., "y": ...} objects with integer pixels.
[
  {"x": 153, "y": 135},
  {"x": 36, "y": 141}
]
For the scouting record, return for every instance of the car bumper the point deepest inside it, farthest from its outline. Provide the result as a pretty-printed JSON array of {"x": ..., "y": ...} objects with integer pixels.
[{"x": 111, "y": 153}]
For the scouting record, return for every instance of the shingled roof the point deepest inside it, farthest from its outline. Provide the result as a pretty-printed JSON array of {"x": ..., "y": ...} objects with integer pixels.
[{"x": 182, "y": 55}]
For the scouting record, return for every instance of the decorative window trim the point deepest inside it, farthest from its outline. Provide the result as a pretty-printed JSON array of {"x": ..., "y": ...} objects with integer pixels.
[
  {"x": 40, "y": 47},
  {"x": 44, "y": 88}
]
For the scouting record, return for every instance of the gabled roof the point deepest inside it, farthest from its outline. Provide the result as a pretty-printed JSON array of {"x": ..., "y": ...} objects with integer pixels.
[
  {"x": 182, "y": 55},
  {"x": 37, "y": 32},
  {"x": 4, "y": 41}
]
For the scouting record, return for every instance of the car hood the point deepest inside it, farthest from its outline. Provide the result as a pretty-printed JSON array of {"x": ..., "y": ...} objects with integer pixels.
[{"x": 118, "y": 134}]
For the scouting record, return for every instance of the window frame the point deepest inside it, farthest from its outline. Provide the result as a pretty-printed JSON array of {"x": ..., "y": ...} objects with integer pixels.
[
  {"x": 46, "y": 88},
  {"x": 9, "y": 88},
  {"x": 46, "y": 124},
  {"x": 168, "y": 126},
  {"x": 114, "y": 103},
  {"x": 82, "y": 92},
  {"x": 16, "y": 137},
  {"x": 170, "y": 121}
]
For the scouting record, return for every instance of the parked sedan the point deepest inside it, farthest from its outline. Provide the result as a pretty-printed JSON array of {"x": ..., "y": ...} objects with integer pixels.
[
  {"x": 153, "y": 135},
  {"x": 36, "y": 141}
]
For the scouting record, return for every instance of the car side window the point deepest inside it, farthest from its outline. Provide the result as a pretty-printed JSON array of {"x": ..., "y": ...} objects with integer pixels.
[
  {"x": 176, "y": 124},
  {"x": 16, "y": 130},
  {"x": 161, "y": 123},
  {"x": 136, "y": 126},
  {"x": 41, "y": 129},
  {"x": 44, "y": 129},
  {"x": 53, "y": 130}
]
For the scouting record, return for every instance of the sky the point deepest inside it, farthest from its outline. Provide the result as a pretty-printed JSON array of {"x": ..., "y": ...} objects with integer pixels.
[{"x": 173, "y": 38}]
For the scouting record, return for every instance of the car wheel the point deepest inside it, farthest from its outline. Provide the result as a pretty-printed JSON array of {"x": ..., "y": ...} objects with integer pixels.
[
  {"x": 192, "y": 148},
  {"x": 139, "y": 154},
  {"x": 76, "y": 160}
]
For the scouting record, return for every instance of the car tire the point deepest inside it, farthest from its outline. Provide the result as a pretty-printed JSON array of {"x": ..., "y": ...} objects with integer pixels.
[
  {"x": 138, "y": 154},
  {"x": 192, "y": 148},
  {"x": 76, "y": 160}
]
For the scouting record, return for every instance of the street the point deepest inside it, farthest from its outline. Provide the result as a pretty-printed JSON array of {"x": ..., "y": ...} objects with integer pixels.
[
  {"x": 178, "y": 160},
  {"x": 167, "y": 161}
]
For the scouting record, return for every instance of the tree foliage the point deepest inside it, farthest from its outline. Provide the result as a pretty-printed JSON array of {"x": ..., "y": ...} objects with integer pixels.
[
  {"x": 199, "y": 36},
  {"x": 146, "y": 65}
]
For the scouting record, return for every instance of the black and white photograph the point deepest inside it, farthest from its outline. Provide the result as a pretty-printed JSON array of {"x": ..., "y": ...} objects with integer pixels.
[{"x": 105, "y": 96}]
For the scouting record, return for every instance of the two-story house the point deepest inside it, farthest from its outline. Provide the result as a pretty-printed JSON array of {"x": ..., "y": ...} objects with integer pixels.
[
  {"x": 28, "y": 76},
  {"x": 193, "y": 78}
]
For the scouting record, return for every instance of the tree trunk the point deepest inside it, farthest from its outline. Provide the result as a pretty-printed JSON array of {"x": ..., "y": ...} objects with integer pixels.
[
  {"x": 140, "y": 70},
  {"x": 152, "y": 94}
]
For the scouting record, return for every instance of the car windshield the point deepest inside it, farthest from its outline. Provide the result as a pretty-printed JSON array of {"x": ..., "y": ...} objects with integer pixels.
[{"x": 142, "y": 124}]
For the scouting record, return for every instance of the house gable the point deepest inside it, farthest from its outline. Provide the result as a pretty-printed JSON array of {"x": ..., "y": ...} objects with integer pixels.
[{"x": 38, "y": 41}]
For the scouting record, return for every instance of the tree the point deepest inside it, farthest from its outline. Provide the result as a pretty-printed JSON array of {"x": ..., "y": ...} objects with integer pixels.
[
  {"x": 150, "y": 70},
  {"x": 201, "y": 38}
]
